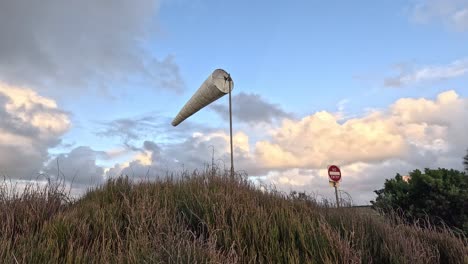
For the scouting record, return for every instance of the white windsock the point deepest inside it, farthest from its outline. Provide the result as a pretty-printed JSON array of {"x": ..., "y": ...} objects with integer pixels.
[{"x": 216, "y": 86}]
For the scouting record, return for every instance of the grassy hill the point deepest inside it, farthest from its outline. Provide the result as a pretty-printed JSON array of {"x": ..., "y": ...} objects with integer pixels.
[{"x": 206, "y": 219}]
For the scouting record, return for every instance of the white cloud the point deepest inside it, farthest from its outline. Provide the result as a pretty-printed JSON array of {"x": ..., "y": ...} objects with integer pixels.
[
  {"x": 428, "y": 73},
  {"x": 77, "y": 167},
  {"x": 194, "y": 152},
  {"x": 409, "y": 129},
  {"x": 359, "y": 180},
  {"x": 451, "y": 13},
  {"x": 460, "y": 19},
  {"x": 29, "y": 125},
  {"x": 411, "y": 133},
  {"x": 319, "y": 139},
  {"x": 341, "y": 105}
]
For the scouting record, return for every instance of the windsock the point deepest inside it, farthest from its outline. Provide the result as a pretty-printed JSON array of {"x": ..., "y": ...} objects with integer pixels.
[{"x": 216, "y": 86}]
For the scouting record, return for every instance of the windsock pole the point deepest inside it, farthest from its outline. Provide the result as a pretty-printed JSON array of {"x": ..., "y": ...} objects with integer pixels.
[
  {"x": 213, "y": 88},
  {"x": 230, "y": 126}
]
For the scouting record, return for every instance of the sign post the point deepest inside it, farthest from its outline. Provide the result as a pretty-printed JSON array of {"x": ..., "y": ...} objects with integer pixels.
[{"x": 334, "y": 175}]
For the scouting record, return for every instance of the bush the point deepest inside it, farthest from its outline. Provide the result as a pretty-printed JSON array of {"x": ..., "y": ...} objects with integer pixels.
[
  {"x": 435, "y": 197},
  {"x": 465, "y": 161}
]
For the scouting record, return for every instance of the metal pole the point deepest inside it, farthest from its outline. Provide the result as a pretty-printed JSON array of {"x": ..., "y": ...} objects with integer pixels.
[
  {"x": 336, "y": 194},
  {"x": 230, "y": 128},
  {"x": 213, "y": 170}
]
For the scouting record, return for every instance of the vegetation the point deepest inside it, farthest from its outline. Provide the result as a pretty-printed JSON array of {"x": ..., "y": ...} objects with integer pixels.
[
  {"x": 440, "y": 197},
  {"x": 207, "y": 219},
  {"x": 465, "y": 161}
]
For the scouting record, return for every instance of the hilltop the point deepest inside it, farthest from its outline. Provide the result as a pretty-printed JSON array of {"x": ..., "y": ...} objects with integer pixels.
[{"x": 201, "y": 218}]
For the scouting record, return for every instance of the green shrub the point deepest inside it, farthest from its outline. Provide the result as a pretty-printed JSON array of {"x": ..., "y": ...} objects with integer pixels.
[{"x": 435, "y": 197}]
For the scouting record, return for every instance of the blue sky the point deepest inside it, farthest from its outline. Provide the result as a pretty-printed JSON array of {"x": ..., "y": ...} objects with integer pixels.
[
  {"x": 307, "y": 47},
  {"x": 119, "y": 75},
  {"x": 306, "y": 56}
]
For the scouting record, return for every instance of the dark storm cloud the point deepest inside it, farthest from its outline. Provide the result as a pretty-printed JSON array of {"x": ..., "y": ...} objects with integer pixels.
[
  {"x": 57, "y": 44},
  {"x": 251, "y": 108}
]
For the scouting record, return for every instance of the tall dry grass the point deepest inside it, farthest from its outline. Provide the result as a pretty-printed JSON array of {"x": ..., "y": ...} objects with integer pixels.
[{"x": 203, "y": 218}]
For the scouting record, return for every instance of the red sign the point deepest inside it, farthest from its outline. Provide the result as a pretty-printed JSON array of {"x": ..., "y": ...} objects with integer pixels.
[{"x": 334, "y": 173}]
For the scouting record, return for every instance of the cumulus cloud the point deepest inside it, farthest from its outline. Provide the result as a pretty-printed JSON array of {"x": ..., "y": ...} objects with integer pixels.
[
  {"x": 251, "y": 108},
  {"x": 146, "y": 164},
  {"x": 29, "y": 125},
  {"x": 53, "y": 44},
  {"x": 77, "y": 167},
  {"x": 192, "y": 153},
  {"x": 197, "y": 150},
  {"x": 319, "y": 139},
  {"x": 359, "y": 180},
  {"x": 428, "y": 73},
  {"x": 452, "y": 13},
  {"x": 409, "y": 134},
  {"x": 407, "y": 130}
]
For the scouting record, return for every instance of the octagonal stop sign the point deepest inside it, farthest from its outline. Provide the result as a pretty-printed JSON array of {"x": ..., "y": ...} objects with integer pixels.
[{"x": 334, "y": 173}]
